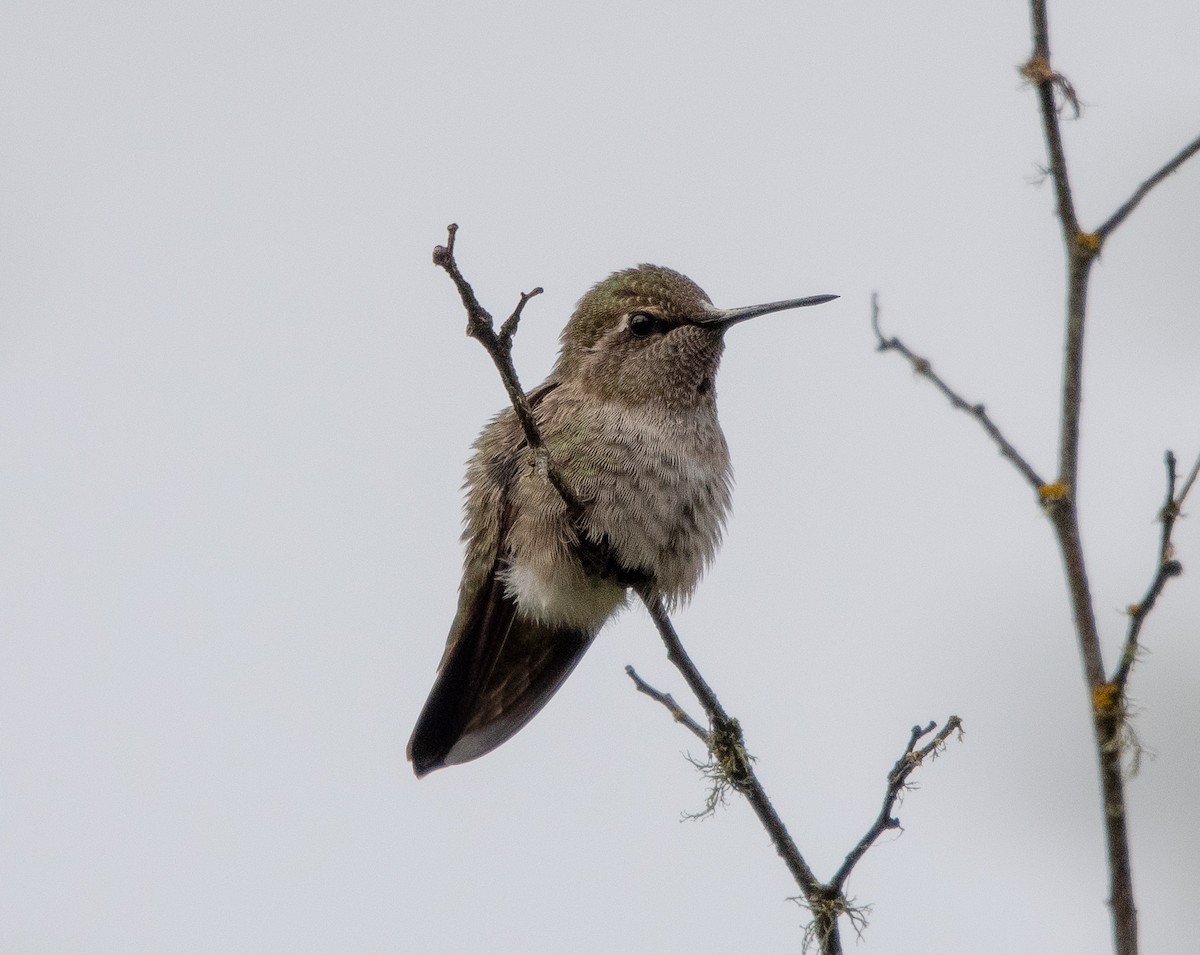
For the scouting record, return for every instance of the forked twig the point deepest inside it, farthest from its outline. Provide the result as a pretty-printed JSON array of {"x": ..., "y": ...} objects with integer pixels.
[{"x": 897, "y": 781}]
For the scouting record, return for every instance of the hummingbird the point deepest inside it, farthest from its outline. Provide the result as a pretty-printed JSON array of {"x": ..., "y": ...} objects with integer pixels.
[{"x": 628, "y": 415}]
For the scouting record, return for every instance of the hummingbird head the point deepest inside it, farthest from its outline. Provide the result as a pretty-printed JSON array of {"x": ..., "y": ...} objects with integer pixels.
[{"x": 651, "y": 334}]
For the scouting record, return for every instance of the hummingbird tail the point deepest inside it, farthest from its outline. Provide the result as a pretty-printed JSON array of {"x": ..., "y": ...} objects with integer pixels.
[{"x": 497, "y": 674}]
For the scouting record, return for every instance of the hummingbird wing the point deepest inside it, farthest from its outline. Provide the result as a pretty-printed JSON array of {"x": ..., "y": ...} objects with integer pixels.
[
  {"x": 499, "y": 672},
  {"x": 500, "y": 667}
]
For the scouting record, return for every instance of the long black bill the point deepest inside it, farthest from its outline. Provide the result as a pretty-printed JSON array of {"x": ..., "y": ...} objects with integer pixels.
[{"x": 723, "y": 318}]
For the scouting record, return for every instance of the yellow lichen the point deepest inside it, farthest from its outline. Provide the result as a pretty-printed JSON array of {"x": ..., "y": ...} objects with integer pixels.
[
  {"x": 1054, "y": 492},
  {"x": 1105, "y": 698},
  {"x": 1088, "y": 242}
]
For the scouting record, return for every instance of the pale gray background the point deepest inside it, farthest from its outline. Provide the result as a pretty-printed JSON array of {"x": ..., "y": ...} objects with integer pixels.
[{"x": 235, "y": 401}]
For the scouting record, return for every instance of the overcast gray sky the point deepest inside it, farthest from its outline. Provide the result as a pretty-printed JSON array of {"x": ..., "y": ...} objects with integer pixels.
[{"x": 235, "y": 404}]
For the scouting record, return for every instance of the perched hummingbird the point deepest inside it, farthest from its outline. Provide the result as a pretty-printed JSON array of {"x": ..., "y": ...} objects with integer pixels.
[{"x": 629, "y": 417}]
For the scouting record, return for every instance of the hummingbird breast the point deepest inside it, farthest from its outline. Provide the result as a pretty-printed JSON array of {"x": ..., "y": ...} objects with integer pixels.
[{"x": 655, "y": 481}]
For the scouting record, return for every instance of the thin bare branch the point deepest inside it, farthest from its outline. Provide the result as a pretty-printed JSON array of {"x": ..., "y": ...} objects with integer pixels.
[
  {"x": 1038, "y": 72},
  {"x": 728, "y": 748},
  {"x": 923, "y": 368},
  {"x": 1173, "y": 164},
  {"x": 1081, "y": 249},
  {"x": 509, "y": 328},
  {"x": 1166, "y": 567},
  {"x": 1108, "y": 713},
  {"x": 1187, "y": 485},
  {"x": 826, "y": 901},
  {"x": 481, "y": 327},
  {"x": 678, "y": 713},
  {"x": 679, "y": 658},
  {"x": 897, "y": 782}
]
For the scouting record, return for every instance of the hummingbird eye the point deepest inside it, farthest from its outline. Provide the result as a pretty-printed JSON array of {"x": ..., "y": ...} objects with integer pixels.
[{"x": 643, "y": 324}]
